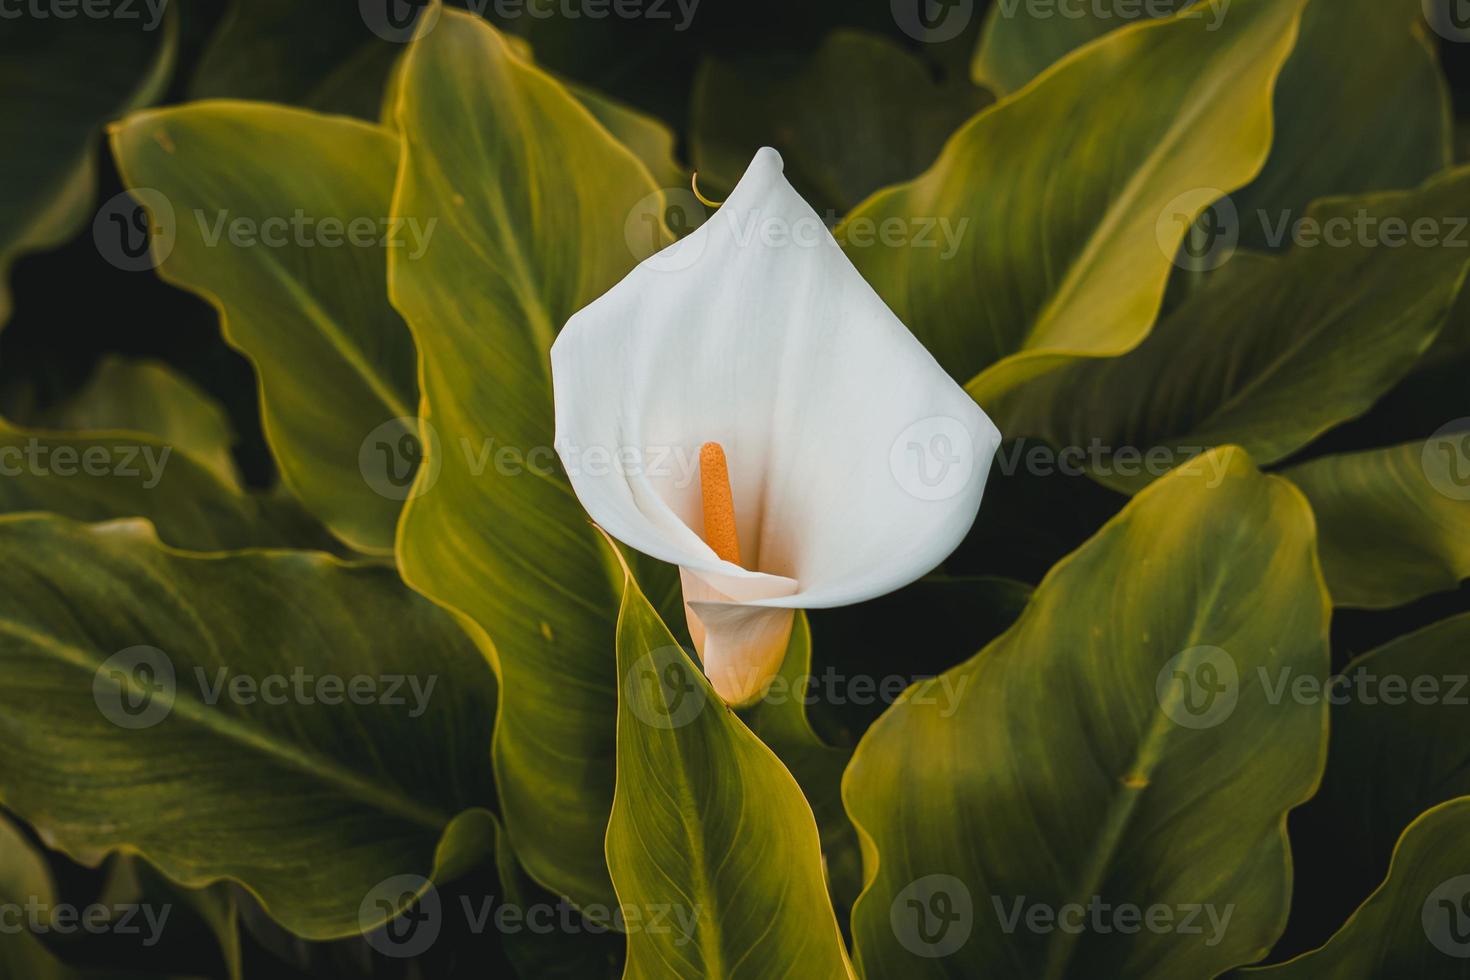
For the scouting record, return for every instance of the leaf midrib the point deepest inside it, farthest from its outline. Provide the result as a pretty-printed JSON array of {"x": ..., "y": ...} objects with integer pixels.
[
  {"x": 1121, "y": 807},
  {"x": 337, "y": 338}
]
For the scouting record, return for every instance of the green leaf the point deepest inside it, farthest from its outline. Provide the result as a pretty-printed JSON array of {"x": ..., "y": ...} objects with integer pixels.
[
  {"x": 1267, "y": 353},
  {"x": 1022, "y": 38},
  {"x": 265, "y": 201},
  {"x": 1399, "y": 746},
  {"x": 709, "y": 824},
  {"x": 99, "y": 476},
  {"x": 1395, "y": 522},
  {"x": 1385, "y": 125},
  {"x": 1045, "y": 232},
  {"x": 327, "y": 57},
  {"x": 779, "y": 719},
  {"x": 1395, "y": 97},
  {"x": 1414, "y": 924},
  {"x": 1086, "y": 755},
  {"x": 76, "y": 75},
  {"x": 531, "y": 227},
  {"x": 648, "y": 138},
  {"x": 152, "y": 398},
  {"x": 861, "y": 114},
  {"x": 308, "y": 786}
]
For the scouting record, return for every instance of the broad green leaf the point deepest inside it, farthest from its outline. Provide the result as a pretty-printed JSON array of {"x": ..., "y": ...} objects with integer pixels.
[
  {"x": 65, "y": 79},
  {"x": 331, "y": 58},
  {"x": 1395, "y": 96},
  {"x": 1085, "y": 756},
  {"x": 280, "y": 219},
  {"x": 98, "y": 476},
  {"x": 1022, "y": 38},
  {"x": 861, "y": 114},
  {"x": 1395, "y": 522},
  {"x": 649, "y": 139},
  {"x": 145, "y": 442},
  {"x": 1399, "y": 746},
  {"x": 1268, "y": 353},
  {"x": 707, "y": 823},
  {"x": 779, "y": 719},
  {"x": 1046, "y": 230},
  {"x": 531, "y": 227},
  {"x": 148, "y": 397},
  {"x": 324, "y": 765},
  {"x": 1416, "y": 924}
]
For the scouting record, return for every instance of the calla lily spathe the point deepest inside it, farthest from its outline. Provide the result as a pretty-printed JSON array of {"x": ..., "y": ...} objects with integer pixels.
[{"x": 856, "y": 464}]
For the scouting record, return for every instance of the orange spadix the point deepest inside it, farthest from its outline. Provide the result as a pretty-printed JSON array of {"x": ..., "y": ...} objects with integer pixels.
[{"x": 719, "y": 503}]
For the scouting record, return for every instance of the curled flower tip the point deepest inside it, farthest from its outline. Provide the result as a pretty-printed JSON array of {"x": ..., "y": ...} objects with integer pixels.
[
  {"x": 694, "y": 183},
  {"x": 719, "y": 503}
]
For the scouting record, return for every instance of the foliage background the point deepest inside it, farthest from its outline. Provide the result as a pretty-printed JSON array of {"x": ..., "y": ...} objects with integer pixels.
[{"x": 72, "y": 308}]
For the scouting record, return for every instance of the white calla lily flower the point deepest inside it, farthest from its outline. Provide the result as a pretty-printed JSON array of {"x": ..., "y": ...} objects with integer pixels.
[{"x": 744, "y": 406}]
